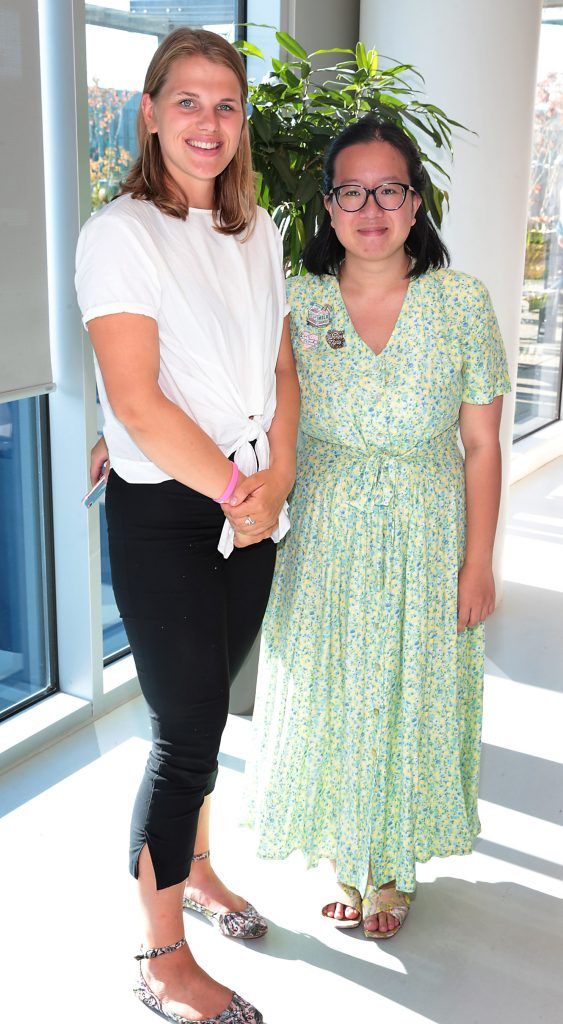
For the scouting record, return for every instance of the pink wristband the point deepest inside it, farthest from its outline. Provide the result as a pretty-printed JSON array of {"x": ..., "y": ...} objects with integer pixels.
[{"x": 230, "y": 486}]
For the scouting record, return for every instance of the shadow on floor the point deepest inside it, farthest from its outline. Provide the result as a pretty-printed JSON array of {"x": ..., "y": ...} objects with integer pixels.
[
  {"x": 531, "y": 785},
  {"x": 521, "y": 639},
  {"x": 491, "y": 953},
  {"x": 519, "y": 857}
]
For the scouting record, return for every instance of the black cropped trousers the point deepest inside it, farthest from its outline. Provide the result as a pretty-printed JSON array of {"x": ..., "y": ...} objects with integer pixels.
[{"x": 191, "y": 617}]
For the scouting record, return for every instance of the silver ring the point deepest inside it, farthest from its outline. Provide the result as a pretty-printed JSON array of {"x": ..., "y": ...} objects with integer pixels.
[{"x": 249, "y": 521}]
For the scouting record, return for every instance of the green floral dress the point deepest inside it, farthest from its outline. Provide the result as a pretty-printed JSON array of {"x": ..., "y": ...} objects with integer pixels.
[{"x": 368, "y": 712}]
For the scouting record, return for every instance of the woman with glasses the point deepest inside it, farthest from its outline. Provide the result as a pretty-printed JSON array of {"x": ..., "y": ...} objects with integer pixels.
[{"x": 368, "y": 714}]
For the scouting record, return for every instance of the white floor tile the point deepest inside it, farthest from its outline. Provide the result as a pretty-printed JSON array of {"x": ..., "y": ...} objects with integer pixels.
[{"x": 483, "y": 942}]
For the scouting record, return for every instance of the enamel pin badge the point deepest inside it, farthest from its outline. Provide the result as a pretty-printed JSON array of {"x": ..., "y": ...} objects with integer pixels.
[
  {"x": 308, "y": 338},
  {"x": 335, "y": 339},
  {"x": 319, "y": 316}
]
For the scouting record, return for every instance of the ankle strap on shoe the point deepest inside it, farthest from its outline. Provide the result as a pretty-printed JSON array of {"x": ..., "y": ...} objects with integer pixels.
[
  {"x": 201, "y": 856},
  {"x": 149, "y": 954}
]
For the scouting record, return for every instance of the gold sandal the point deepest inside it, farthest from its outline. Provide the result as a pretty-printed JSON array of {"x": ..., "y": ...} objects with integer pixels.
[
  {"x": 384, "y": 901},
  {"x": 349, "y": 897}
]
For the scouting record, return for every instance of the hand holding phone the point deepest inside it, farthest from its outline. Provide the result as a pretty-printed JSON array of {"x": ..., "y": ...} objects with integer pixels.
[{"x": 94, "y": 493}]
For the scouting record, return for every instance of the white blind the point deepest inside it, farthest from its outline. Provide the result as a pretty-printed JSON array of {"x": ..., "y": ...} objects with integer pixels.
[{"x": 25, "y": 362}]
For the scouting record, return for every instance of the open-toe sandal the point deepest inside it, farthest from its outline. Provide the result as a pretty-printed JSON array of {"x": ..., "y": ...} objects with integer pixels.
[
  {"x": 348, "y": 897},
  {"x": 384, "y": 901},
  {"x": 237, "y": 1012}
]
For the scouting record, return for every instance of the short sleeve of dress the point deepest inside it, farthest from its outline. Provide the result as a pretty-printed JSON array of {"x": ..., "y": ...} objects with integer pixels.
[
  {"x": 484, "y": 368},
  {"x": 114, "y": 270}
]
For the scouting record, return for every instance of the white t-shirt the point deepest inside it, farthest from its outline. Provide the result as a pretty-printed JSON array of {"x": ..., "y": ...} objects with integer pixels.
[{"x": 219, "y": 303}]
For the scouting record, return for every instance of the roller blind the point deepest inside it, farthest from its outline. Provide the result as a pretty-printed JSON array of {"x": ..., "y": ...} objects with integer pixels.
[{"x": 25, "y": 362}]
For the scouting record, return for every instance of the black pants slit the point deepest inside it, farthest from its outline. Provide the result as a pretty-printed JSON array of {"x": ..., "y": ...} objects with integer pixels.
[{"x": 191, "y": 617}]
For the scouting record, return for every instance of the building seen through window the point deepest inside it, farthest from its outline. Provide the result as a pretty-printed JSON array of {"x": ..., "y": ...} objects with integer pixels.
[{"x": 538, "y": 392}]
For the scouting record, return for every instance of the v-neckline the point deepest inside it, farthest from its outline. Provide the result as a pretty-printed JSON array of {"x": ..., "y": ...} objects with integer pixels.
[{"x": 368, "y": 348}]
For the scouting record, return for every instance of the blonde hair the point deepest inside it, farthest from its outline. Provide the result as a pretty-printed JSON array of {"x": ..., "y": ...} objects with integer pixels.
[{"x": 234, "y": 197}]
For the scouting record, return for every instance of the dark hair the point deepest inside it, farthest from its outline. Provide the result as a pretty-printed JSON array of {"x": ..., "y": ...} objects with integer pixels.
[{"x": 324, "y": 253}]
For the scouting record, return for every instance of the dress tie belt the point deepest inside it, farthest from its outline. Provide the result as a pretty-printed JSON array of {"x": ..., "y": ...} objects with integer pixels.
[
  {"x": 374, "y": 479},
  {"x": 370, "y": 477}
]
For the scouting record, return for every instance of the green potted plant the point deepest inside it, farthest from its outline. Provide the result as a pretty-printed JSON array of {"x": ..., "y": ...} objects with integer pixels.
[
  {"x": 537, "y": 301},
  {"x": 534, "y": 268},
  {"x": 296, "y": 112}
]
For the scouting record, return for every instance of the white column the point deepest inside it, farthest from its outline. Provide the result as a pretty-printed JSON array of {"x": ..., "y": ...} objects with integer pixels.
[
  {"x": 321, "y": 24},
  {"x": 479, "y": 61}
]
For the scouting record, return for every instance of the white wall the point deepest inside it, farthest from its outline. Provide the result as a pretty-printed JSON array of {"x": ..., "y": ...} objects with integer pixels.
[
  {"x": 321, "y": 24},
  {"x": 479, "y": 61}
]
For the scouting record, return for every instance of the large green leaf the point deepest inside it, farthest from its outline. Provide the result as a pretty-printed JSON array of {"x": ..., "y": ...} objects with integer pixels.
[
  {"x": 436, "y": 166},
  {"x": 287, "y": 76},
  {"x": 362, "y": 57},
  {"x": 280, "y": 163},
  {"x": 291, "y": 45},
  {"x": 410, "y": 67},
  {"x": 249, "y": 49},
  {"x": 428, "y": 130},
  {"x": 262, "y": 124},
  {"x": 390, "y": 101},
  {"x": 306, "y": 188},
  {"x": 333, "y": 49},
  {"x": 300, "y": 230}
]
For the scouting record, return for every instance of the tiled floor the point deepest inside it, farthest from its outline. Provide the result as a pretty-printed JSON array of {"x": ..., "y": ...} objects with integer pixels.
[{"x": 484, "y": 941}]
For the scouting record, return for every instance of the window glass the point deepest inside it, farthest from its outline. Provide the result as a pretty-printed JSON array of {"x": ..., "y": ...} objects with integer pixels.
[
  {"x": 25, "y": 664},
  {"x": 538, "y": 394}
]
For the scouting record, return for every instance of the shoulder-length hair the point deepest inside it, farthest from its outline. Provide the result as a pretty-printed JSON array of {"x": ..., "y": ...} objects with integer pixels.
[
  {"x": 324, "y": 252},
  {"x": 234, "y": 197}
]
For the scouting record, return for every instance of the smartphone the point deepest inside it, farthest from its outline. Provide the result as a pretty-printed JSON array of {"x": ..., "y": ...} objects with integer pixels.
[{"x": 95, "y": 493}]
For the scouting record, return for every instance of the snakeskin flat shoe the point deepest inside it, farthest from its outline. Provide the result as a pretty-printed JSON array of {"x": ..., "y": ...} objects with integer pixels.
[
  {"x": 239, "y": 1011},
  {"x": 237, "y": 924}
]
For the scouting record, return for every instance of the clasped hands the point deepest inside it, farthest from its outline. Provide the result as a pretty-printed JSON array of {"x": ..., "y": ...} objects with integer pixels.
[{"x": 260, "y": 498}]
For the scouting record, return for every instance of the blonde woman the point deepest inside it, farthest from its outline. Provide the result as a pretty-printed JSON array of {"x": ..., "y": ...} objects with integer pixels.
[{"x": 181, "y": 287}]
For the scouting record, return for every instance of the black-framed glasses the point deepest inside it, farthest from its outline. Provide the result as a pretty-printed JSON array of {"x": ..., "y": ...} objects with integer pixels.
[{"x": 389, "y": 196}]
